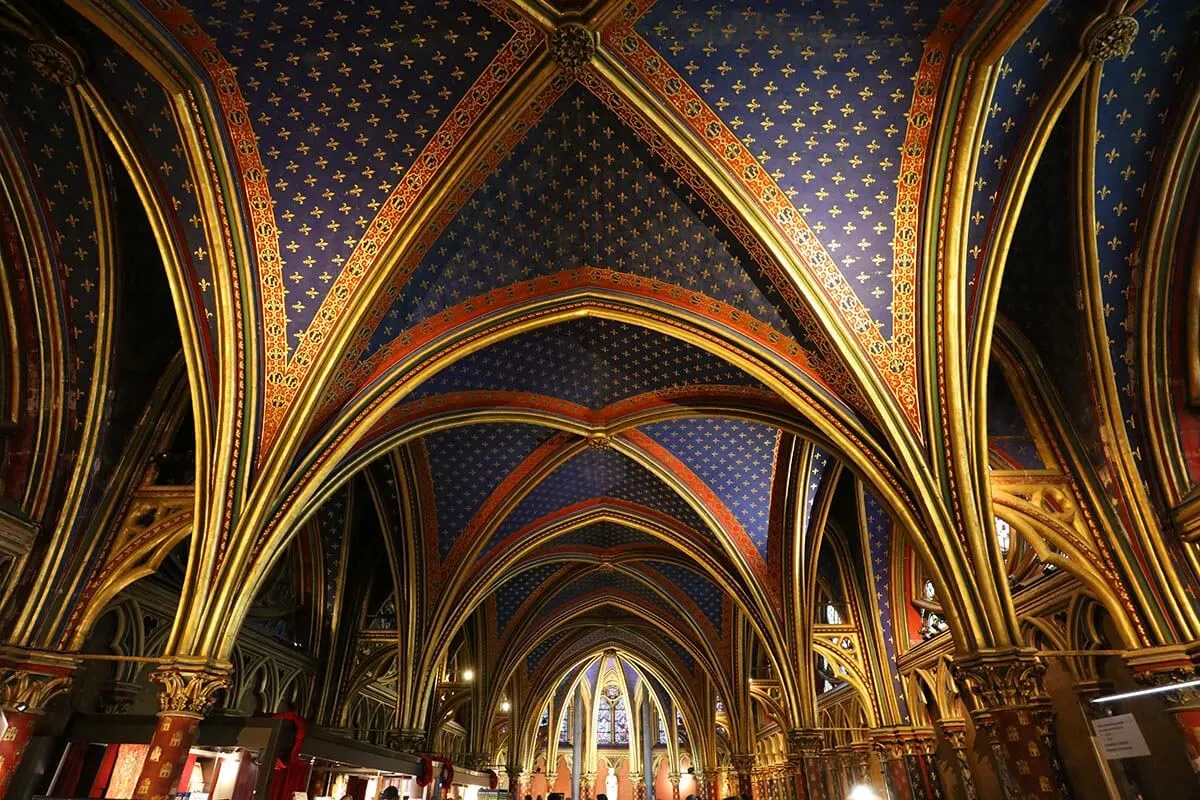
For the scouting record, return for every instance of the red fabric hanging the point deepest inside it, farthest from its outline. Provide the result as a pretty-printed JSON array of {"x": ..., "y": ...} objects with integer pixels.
[
  {"x": 290, "y": 772},
  {"x": 105, "y": 772},
  {"x": 426, "y": 776}
]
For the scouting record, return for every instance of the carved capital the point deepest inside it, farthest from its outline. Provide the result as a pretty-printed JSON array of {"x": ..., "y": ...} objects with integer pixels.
[
  {"x": 955, "y": 732},
  {"x": 1110, "y": 37},
  {"x": 1001, "y": 680},
  {"x": 803, "y": 743},
  {"x": 860, "y": 755},
  {"x": 673, "y": 778},
  {"x": 476, "y": 761},
  {"x": 894, "y": 743},
  {"x": 887, "y": 746},
  {"x": 743, "y": 763},
  {"x": 409, "y": 740},
  {"x": 56, "y": 61},
  {"x": 572, "y": 47},
  {"x": 117, "y": 696},
  {"x": 1155, "y": 667},
  {"x": 30, "y": 680},
  {"x": 23, "y": 690},
  {"x": 189, "y": 690}
]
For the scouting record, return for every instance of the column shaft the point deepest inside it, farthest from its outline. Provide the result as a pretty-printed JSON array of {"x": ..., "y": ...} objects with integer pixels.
[
  {"x": 909, "y": 766},
  {"x": 14, "y": 738},
  {"x": 1009, "y": 704},
  {"x": 189, "y": 690},
  {"x": 163, "y": 768},
  {"x": 743, "y": 764},
  {"x": 954, "y": 732},
  {"x": 28, "y": 682}
]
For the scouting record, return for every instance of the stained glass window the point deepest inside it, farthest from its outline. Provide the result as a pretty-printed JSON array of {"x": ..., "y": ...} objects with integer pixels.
[
  {"x": 662, "y": 731},
  {"x": 620, "y": 723},
  {"x": 563, "y": 736},
  {"x": 604, "y": 724},
  {"x": 545, "y": 720},
  {"x": 612, "y": 724},
  {"x": 1003, "y": 536}
]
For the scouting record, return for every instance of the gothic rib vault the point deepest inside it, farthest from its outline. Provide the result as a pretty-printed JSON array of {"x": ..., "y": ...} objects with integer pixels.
[{"x": 822, "y": 362}]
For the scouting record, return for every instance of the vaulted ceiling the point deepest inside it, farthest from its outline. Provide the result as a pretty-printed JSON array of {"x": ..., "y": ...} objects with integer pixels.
[{"x": 603, "y": 302}]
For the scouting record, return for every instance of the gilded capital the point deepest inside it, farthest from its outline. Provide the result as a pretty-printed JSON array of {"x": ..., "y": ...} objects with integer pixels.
[
  {"x": 189, "y": 690},
  {"x": 888, "y": 746},
  {"x": 897, "y": 742},
  {"x": 1001, "y": 680},
  {"x": 24, "y": 690},
  {"x": 477, "y": 761},
  {"x": 28, "y": 681},
  {"x": 955, "y": 732},
  {"x": 804, "y": 743},
  {"x": 742, "y": 762}
]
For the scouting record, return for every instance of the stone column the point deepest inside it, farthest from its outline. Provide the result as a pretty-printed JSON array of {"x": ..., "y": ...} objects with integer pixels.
[
  {"x": 638, "y": 781},
  {"x": 587, "y": 782},
  {"x": 743, "y": 765},
  {"x": 720, "y": 787},
  {"x": 954, "y": 732},
  {"x": 28, "y": 682},
  {"x": 909, "y": 762},
  {"x": 859, "y": 763},
  {"x": 189, "y": 691},
  {"x": 516, "y": 779},
  {"x": 804, "y": 757},
  {"x": 895, "y": 770},
  {"x": 673, "y": 779},
  {"x": 1009, "y": 706}
]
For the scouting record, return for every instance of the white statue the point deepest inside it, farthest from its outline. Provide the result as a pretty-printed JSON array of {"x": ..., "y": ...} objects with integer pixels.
[{"x": 610, "y": 784}]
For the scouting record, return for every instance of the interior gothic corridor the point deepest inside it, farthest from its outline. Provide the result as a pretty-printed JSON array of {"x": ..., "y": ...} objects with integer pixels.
[{"x": 599, "y": 399}]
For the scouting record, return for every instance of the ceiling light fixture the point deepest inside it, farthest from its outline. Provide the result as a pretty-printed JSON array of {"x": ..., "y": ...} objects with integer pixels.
[
  {"x": 1112, "y": 698},
  {"x": 506, "y": 706},
  {"x": 468, "y": 675}
]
